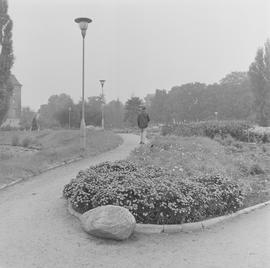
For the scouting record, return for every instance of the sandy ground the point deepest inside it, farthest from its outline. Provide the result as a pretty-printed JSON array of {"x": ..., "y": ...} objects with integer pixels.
[{"x": 37, "y": 231}]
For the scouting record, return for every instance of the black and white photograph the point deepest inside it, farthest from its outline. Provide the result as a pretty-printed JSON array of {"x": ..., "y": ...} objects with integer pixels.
[{"x": 134, "y": 133}]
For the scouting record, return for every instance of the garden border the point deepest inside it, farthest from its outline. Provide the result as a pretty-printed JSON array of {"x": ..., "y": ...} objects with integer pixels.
[
  {"x": 186, "y": 227},
  {"x": 50, "y": 167}
]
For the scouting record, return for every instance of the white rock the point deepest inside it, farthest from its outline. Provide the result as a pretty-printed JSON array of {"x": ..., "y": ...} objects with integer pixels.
[{"x": 109, "y": 221}]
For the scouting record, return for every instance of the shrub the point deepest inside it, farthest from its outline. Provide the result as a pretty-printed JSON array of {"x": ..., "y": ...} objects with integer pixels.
[
  {"x": 152, "y": 194},
  {"x": 239, "y": 130},
  {"x": 26, "y": 142},
  {"x": 15, "y": 141}
]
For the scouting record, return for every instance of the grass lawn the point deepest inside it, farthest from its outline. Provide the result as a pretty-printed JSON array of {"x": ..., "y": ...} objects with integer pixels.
[
  {"x": 44, "y": 148},
  {"x": 187, "y": 157}
]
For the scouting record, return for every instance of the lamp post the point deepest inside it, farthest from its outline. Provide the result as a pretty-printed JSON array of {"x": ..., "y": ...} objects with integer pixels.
[
  {"x": 83, "y": 24},
  {"x": 69, "y": 110},
  {"x": 102, "y": 103},
  {"x": 216, "y": 114}
]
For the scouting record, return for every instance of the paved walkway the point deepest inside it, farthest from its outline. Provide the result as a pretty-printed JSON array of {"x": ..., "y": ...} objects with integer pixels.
[{"x": 37, "y": 231}]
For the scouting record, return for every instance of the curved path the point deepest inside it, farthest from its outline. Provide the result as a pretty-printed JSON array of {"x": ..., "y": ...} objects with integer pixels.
[{"x": 37, "y": 231}]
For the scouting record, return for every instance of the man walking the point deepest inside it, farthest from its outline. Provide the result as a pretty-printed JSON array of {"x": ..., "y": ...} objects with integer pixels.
[{"x": 143, "y": 120}]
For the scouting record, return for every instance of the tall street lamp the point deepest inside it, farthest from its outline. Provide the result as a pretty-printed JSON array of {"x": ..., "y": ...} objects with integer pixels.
[
  {"x": 102, "y": 102},
  {"x": 69, "y": 110},
  {"x": 216, "y": 114},
  {"x": 83, "y": 24}
]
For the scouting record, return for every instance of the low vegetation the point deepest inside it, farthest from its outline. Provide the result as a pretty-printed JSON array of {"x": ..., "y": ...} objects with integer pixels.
[
  {"x": 238, "y": 130},
  {"x": 180, "y": 179},
  {"x": 247, "y": 164},
  {"x": 153, "y": 195},
  {"x": 27, "y": 153}
]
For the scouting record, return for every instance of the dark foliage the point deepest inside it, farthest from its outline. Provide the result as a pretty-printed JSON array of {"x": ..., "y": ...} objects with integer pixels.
[
  {"x": 152, "y": 194},
  {"x": 239, "y": 130}
]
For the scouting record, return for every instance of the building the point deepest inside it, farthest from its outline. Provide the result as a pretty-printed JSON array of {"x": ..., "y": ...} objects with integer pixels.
[{"x": 12, "y": 118}]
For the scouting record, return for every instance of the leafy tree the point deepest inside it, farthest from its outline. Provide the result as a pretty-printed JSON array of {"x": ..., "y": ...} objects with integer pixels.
[
  {"x": 259, "y": 74},
  {"x": 185, "y": 103},
  {"x": 27, "y": 116},
  {"x": 6, "y": 57},
  {"x": 148, "y": 99},
  {"x": 131, "y": 110},
  {"x": 231, "y": 99},
  {"x": 234, "y": 78},
  {"x": 159, "y": 109},
  {"x": 75, "y": 116},
  {"x": 114, "y": 114},
  {"x": 235, "y": 96},
  {"x": 56, "y": 112},
  {"x": 93, "y": 113}
]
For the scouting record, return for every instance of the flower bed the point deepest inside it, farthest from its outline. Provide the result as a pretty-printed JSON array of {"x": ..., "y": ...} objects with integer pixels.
[{"x": 153, "y": 195}]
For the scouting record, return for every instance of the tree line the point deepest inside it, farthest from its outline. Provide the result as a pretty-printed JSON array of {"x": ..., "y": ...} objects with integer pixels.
[
  {"x": 62, "y": 112},
  {"x": 239, "y": 95}
]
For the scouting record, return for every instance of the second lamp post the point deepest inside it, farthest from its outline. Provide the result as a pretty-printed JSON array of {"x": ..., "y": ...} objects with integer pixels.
[
  {"x": 102, "y": 102},
  {"x": 83, "y": 24}
]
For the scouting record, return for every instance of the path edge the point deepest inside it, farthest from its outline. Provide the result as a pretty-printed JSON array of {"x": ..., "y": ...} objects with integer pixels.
[{"x": 186, "y": 227}]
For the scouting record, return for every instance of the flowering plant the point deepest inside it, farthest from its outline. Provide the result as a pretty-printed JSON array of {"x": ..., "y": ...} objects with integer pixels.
[{"x": 152, "y": 194}]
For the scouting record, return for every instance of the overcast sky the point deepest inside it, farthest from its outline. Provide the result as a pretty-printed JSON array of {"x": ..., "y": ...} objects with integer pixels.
[{"x": 137, "y": 46}]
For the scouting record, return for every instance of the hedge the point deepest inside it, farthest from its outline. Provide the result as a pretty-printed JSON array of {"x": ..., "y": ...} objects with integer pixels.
[{"x": 239, "y": 130}]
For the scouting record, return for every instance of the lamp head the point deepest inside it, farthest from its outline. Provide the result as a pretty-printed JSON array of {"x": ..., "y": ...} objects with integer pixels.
[
  {"x": 83, "y": 24},
  {"x": 102, "y": 82}
]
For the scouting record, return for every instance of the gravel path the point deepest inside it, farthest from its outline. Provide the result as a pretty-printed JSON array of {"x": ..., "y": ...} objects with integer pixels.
[{"x": 37, "y": 231}]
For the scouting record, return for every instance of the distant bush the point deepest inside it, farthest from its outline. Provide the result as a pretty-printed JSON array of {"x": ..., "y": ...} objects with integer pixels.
[
  {"x": 152, "y": 194},
  {"x": 239, "y": 130},
  {"x": 15, "y": 141},
  {"x": 26, "y": 142}
]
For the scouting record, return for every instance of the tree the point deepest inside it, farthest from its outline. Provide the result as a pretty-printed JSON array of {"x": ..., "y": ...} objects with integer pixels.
[
  {"x": 234, "y": 78},
  {"x": 158, "y": 108},
  {"x": 93, "y": 114},
  {"x": 56, "y": 112},
  {"x": 231, "y": 99},
  {"x": 237, "y": 96},
  {"x": 185, "y": 103},
  {"x": 259, "y": 74},
  {"x": 114, "y": 114},
  {"x": 131, "y": 110},
  {"x": 6, "y": 57},
  {"x": 27, "y": 116}
]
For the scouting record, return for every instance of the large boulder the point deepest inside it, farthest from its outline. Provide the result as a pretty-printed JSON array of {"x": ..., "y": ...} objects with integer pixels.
[{"x": 109, "y": 221}]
